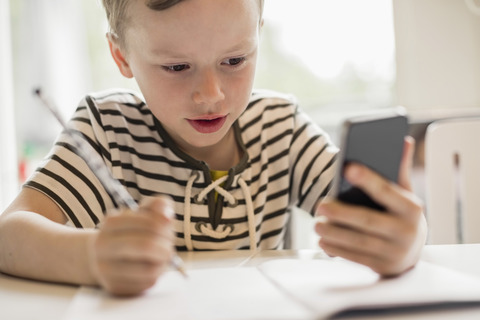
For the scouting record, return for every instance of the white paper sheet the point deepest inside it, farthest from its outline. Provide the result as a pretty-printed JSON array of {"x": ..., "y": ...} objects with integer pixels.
[
  {"x": 328, "y": 286},
  {"x": 223, "y": 293},
  {"x": 278, "y": 289}
]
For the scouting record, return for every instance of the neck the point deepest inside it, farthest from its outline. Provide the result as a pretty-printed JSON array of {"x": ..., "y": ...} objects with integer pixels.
[{"x": 221, "y": 156}]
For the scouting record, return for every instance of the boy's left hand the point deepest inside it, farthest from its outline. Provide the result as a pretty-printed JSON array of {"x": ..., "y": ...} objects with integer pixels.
[{"x": 388, "y": 242}]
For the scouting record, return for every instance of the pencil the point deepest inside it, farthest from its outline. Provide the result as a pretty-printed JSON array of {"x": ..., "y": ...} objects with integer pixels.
[{"x": 113, "y": 187}]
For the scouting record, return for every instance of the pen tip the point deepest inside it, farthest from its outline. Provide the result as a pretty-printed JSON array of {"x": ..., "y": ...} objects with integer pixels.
[
  {"x": 178, "y": 264},
  {"x": 183, "y": 272},
  {"x": 37, "y": 91}
]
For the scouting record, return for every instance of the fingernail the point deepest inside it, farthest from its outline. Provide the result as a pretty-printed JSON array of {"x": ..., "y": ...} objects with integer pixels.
[
  {"x": 320, "y": 219},
  {"x": 321, "y": 209},
  {"x": 352, "y": 172},
  {"x": 320, "y": 223},
  {"x": 168, "y": 212}
]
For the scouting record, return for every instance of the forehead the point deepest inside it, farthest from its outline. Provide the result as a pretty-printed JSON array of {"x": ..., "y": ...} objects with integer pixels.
[{"x": 202, "y": 22}]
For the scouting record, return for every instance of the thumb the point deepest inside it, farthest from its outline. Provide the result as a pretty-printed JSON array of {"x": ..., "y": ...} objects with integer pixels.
[
  {"x": 406, "y": 164},
  {"x": 161, "y": 205}
]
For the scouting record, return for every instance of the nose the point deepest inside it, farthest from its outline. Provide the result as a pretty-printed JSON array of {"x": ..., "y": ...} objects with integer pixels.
[{"x": 209, "y": 88}]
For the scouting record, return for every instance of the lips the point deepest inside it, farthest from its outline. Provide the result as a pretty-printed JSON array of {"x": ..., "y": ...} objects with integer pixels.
[{"x": 208, "y": 124}]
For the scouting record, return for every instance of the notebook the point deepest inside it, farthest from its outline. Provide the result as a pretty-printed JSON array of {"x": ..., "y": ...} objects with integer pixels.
[{"x": 281, "y": 289}]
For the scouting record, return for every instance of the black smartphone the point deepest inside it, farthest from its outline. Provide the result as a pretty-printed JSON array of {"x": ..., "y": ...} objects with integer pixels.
[{"x": 375, "y": 140}]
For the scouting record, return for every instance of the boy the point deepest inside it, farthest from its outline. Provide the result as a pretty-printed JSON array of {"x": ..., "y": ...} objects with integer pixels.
[{"x": 231, "y": 162}]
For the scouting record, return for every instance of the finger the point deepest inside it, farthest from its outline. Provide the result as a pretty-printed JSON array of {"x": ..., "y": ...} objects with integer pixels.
[
  {"x": 356, "y": 240},
  {"x": 126, "y": 278},
  {"x": 361, "y": 218},
  {"x": 394, "y": 198},
  {"x": 377, "y": 263},
  {"x": 122, "y": 288},
  {"x": 161, "y": 205},
  {"x": 386, "y": 255},
  {"x": 134, "y": 222},
  {"x": 142, "y": 248},
  {"x": 406, "y": 163},
  {"x": 133, "y": 271}
]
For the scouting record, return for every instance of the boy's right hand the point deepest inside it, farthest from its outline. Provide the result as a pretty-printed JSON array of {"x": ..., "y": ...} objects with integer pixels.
[{"x": 132, "y": 249}]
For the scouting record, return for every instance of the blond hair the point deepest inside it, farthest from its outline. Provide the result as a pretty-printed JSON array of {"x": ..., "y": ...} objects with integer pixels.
[{"x": 117, "y": 16}]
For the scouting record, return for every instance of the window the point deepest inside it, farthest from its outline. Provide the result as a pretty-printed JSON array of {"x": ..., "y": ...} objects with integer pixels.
[{"x": 336, "y": 56}]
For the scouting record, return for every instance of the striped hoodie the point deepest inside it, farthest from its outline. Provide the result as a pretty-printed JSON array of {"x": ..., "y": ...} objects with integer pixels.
[{"x": 288, "y": 161}]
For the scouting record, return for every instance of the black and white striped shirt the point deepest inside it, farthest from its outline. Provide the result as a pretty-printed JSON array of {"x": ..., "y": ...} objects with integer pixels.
[{"x": 288, "y": 161}]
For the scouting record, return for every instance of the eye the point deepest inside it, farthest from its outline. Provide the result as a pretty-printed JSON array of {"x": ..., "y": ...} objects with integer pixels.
[
  {"x": 176, "y": 68},
  {"x": 234, "y": 61}
]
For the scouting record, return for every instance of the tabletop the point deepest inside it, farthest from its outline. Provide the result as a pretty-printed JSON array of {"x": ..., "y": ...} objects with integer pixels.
[{"x": 26, "y": 299}]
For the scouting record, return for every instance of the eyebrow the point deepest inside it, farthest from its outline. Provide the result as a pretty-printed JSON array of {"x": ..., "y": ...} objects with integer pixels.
[
  {"x": 250, "y": 42},
  {"x": 245, "y": 43}
]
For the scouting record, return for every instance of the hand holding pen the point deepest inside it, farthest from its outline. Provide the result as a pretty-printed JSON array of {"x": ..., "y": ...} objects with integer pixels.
[{"x": 113, "y": 187}]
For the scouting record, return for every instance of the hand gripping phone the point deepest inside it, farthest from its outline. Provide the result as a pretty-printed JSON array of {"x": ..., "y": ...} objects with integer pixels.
[{"x": 375, "y": 140}]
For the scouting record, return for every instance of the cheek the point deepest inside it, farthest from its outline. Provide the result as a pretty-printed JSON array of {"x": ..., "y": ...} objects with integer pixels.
[
  {"x": 238, "y": 93},
  {"x": 161, "y": 89},
  {"x": 165, "y": 98},
  {"x": 241, "y": 84}
]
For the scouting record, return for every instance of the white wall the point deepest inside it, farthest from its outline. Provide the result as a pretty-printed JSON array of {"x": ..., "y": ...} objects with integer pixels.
[
  {"x": 8, "y": 167},
  {"x": 437, "y": 53}
]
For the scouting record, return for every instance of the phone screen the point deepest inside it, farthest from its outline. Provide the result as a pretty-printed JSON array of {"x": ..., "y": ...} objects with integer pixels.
[{"x": 376, "y": 142}]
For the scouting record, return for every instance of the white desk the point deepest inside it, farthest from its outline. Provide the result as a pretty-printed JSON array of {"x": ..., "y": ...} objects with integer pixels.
[{"x": 24, "y": 299}]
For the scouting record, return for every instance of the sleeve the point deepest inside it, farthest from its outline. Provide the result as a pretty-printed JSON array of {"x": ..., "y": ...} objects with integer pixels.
[
  {"x": 66, "y": 178},
  {"x": 312, "y": 162}
]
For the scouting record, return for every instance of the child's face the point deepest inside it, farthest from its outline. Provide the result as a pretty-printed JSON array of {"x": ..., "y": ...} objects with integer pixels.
[{"x": 195, "y": 65}]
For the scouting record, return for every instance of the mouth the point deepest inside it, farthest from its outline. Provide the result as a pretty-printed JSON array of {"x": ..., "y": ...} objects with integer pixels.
[{"x": 208, "y": 124}]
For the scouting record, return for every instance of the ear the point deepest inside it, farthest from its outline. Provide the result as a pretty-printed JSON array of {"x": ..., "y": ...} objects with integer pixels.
[
  {"x": 260, "y": 27},
  {"x": 118, "y": 55}
]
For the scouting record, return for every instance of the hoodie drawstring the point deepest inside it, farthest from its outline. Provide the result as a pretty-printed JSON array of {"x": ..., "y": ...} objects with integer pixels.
[
  {"x": 202, "y": 227},
  {"x": 250, "y": 214}
]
